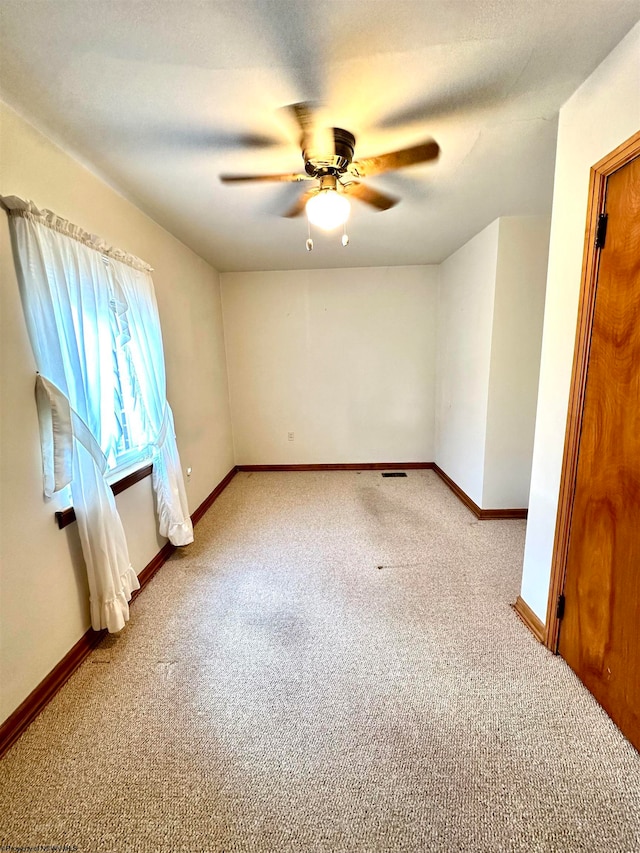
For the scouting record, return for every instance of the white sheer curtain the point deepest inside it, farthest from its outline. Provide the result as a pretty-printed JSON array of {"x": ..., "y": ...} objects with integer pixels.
[
  {"x": 77, "y": 293},
  {"x": 133, "y": 288}
]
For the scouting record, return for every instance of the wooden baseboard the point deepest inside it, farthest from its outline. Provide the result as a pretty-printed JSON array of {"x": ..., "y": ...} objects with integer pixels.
[
  {"x": 341, "y": 466},
  {"x": 482, "y": 514},
  {"x": 535, "y": 625},
  {"x": 208, "y": 501},
  {"x": 151, "y": 568},
  {"x": 26, "y": 712},
  {"x": 521, "y": 513}
]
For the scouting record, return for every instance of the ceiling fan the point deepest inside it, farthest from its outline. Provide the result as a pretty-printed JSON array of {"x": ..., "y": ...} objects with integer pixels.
[{"x": 329, "y": 164}]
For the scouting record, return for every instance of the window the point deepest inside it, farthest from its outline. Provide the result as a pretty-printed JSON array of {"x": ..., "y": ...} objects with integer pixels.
[{"x": 131, "y": 436}]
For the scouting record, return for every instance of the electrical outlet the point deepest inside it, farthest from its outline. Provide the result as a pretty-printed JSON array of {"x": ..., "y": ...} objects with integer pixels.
[{"x": 290, "y": 436}]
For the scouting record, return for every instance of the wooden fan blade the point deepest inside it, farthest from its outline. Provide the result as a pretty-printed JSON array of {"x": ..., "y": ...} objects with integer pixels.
[
  {"x": 422, "y": 153},
  {"x": 314, "y": 139},
  {"x": 299, "y": 206},
  {"x": 370, "y": 196},
  {"x": 303, "y": 114},
  {"x": 294, "y": 177}
]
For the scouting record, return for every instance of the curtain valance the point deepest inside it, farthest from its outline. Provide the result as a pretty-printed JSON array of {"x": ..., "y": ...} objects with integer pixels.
[{"x": 21, "y": 207}]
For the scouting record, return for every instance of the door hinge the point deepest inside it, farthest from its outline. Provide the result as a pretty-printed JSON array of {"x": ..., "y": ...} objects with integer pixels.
[
  {"x": 560, "y": 607},
  {"x": 601, "y": 230}
]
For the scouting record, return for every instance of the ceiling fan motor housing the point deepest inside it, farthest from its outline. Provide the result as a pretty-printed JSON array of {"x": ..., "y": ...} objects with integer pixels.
[{"x": 317, "y": 164}]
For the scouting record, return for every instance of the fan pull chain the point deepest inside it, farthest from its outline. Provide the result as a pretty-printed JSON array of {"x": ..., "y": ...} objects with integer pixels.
[{"x": 309, "y": 244}]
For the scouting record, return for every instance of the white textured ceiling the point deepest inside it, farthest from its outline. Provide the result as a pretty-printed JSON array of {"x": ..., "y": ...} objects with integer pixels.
[{"x": 161, "y": 97}]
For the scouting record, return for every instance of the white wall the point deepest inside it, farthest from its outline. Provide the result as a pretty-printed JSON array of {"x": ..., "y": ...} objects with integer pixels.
[
  {"x": 43, "y": 602},
  {"x": 490, "y": 323},
  {"x": 523, "y": 251},
  {"x": 344, "y": 359},
  {"x": 603, "y": 113},
  {"x": 465, "y": 325}
]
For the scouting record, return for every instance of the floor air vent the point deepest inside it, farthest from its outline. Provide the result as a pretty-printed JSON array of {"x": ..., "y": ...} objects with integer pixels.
[{"x": 394, "y": 474}]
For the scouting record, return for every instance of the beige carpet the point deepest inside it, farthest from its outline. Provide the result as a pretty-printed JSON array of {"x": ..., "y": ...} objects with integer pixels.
[{"x": 334, "y": 665}]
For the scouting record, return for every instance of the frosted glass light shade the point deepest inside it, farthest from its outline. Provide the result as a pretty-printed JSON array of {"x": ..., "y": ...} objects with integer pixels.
[{"x": 327, "y": 209}]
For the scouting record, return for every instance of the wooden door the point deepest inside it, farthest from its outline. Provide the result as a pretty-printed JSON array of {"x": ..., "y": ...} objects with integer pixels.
[{"x": 600, "y": 629}]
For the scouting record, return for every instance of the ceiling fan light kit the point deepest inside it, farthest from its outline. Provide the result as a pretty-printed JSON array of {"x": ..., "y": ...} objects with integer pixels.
[
  {"x": 327, "y": 209},
  {"x": 327, "y": 206}
]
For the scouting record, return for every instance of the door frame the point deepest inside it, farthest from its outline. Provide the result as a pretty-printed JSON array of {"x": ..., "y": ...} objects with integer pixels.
[{"x": 599, "y": 176}]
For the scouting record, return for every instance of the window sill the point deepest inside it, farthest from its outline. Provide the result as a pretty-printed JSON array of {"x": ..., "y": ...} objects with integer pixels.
[{"x": 67, "y": 516}]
